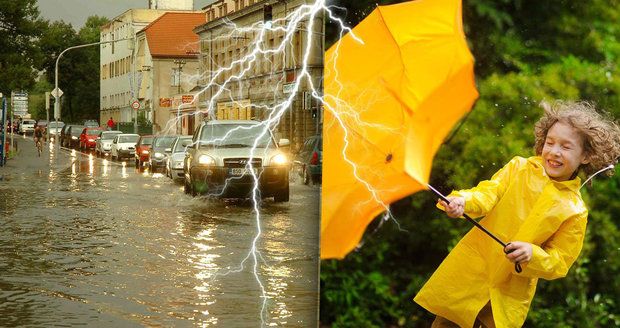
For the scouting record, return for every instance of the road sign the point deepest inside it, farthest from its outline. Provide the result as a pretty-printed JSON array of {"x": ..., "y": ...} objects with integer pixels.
[
  {"x": 57, "y": 93},
  {"x": 135, "y": 105},
  {"x": 19, "y": 103}
]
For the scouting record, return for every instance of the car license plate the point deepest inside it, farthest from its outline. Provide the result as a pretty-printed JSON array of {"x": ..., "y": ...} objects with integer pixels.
[{"x": 242, "y": 171}]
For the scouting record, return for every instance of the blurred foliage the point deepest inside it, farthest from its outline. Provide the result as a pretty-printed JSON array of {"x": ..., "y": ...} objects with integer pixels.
[
  {"x": 525, "y": 52},
  {"x": 29, "y": 46}
]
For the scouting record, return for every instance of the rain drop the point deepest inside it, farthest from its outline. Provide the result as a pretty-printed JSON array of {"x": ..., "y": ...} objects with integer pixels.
[
  {"x": 493, "y": 163},
  {"x": 496, "y": 105},
  {"x": 608, "y": 74},
  {"x": 525, "y": 98},
  {"x": 524, "y": 116},
  {"x": 482, "y": 166}
]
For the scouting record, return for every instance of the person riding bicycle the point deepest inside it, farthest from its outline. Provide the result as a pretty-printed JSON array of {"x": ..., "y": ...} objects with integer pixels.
[{"x": 38, "y": 135}]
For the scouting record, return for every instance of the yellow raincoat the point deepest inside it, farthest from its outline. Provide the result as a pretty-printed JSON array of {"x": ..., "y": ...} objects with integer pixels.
[{"x": 520, "y": 203}]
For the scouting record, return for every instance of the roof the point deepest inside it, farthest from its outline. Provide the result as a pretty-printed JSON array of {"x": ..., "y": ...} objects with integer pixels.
[{"x": 171, "y": 34}]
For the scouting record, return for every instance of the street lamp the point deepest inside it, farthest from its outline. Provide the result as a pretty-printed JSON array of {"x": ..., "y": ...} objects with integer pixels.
[
  {"x": 56, "y": 90},
  {"x": 180, "y": 63}
]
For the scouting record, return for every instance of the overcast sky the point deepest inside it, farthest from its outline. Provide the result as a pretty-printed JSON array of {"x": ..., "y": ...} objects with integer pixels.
[{"x": 76, "y": 11}]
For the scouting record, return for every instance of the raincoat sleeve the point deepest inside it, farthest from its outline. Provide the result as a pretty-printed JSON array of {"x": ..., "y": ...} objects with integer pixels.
[
  {"x": 482, "y": 198},
  {"x": 554, "y": 258}
]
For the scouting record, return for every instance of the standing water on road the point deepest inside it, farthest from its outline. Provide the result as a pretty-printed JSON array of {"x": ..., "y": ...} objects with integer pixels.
[{"x": 85, "y": 241}]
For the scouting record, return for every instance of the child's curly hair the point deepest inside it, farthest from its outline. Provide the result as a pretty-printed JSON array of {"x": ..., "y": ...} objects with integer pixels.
[{"x": 600, "y": 133}]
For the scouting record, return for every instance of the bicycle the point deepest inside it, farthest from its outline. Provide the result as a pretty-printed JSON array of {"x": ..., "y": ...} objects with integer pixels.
[{"x": 39, "y": 146}]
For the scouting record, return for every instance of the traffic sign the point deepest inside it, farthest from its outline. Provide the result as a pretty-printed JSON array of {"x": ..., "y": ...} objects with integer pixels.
[
  {"x": 57, "y": 93},
  {"x": 135, "y": 105}
]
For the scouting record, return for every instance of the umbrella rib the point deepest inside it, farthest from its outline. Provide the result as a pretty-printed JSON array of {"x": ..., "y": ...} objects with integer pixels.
[{"x": 361, "y": 137}]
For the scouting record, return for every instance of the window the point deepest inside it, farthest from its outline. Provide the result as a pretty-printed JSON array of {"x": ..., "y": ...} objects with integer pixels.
[{"x": 175, "y": 77}]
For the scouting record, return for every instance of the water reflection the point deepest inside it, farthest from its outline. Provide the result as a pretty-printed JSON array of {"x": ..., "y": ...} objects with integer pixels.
[{"x": 126, "y": 248}]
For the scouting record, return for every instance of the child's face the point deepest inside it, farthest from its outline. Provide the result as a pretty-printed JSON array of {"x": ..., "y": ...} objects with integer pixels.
[{"x": 563, "y": 152}]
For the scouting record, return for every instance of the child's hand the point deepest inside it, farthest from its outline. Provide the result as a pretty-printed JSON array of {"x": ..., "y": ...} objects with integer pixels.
[
  {"x": 518, "y": 251},
  {"x": 456, "y": 208}
]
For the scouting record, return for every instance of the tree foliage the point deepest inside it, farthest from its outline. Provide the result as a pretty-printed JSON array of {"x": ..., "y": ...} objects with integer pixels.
[
  {"x": 30, "y": 45},
  {"x": 525, "y": 52},
  {"x": 19, "y": 25}
]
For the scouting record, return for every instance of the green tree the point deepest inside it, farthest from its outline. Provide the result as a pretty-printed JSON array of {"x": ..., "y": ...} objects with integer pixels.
[
  {"x": 19, "y": 26},
  {"x": 78, "y": 68}
]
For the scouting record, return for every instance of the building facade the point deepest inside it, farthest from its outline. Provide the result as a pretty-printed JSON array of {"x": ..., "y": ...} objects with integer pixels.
[
  {"x": 167, "y": 67},
  {"x": 254, "y": 88},
  {"x": 118, "y": 79}
]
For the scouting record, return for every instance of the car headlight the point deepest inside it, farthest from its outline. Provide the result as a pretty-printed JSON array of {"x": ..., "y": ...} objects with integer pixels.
[
  {"x": 145, "y": 152},
  {"x": 158, "y": 155},
  {"x": 279, "y": 159},
  {"x": 91, "y": 140},
  {"x": 74, "y": 137},
  {"x": 206, "y": 160}
]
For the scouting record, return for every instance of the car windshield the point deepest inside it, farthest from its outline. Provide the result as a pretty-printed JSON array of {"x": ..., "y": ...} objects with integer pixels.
[
  {"x": 146, "y": 141},
  {"x": 235, "y": 136},
  {"x": 109, "y": 135},
  {"x": 93, "y": 132},
  {"x": 56, "y": 125},
  {"x": 127, "y": 139},
  {"x": 182, "y": 144},
  {"x": 76, "y": 130},
  {"x": 163, "y": 142}
]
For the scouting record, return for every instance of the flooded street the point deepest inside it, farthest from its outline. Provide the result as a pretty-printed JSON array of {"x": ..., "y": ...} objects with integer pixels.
[{"x": 84, "y": 241}]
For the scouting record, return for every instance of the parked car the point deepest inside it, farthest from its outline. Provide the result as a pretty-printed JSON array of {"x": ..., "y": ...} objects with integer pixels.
[
  {"x": 309, "y": 161},
  {"x": 55, "y": 128},
  {"x": 27, "y": 126},
  {"x": 124, "y": 146},
  {"x": 91, "y": 123},
  {"x": 103, "y": 144},
  {"x": 161, "y": 147},
  {"x": 71, "y": 138},
  {"x": 221, "y": 161},
  {"x": 88, "y": 138},
  {"x": 42, "y": 123},
  {"x": 174, "y": 161},
  {"x": 142, "y": 151}
]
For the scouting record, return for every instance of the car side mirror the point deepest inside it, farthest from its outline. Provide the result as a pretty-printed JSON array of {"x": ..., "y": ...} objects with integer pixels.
[{"x": 284, "y": 142}]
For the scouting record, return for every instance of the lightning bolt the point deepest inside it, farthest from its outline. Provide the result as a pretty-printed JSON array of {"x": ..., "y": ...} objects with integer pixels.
[{"x": 303, "y": 16}]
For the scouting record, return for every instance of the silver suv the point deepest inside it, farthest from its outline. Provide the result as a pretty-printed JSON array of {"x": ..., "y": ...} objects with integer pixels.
[{"x": 222, "y": 159}]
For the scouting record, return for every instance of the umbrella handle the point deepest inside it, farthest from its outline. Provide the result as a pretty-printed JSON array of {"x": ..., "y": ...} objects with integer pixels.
[{"x": 518, "y": 268}]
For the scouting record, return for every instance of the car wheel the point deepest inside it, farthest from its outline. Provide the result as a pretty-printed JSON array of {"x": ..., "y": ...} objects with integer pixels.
[
  {"x": 307, "y": 177},
  {"x": 192, "y": 189},
  {"x": 186, "y": 187},
  {"x": 282, "y": 195}
]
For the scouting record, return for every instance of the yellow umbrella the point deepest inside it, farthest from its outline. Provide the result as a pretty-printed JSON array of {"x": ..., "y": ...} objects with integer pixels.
[{"x": 394, "y": 88}]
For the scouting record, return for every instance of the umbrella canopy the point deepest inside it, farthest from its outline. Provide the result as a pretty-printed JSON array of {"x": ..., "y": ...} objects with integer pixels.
[{"x": 393, "y": 88}]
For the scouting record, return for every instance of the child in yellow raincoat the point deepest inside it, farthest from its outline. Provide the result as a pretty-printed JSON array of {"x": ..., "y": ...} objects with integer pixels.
[{"x": 533, "y": 202}]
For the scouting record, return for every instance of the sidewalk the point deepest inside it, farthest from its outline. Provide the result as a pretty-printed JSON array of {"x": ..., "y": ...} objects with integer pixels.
[{"x": 27, "y": 160}]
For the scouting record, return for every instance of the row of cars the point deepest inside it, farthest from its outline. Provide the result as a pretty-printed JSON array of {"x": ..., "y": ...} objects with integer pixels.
[{"x": 221, "y": 158}]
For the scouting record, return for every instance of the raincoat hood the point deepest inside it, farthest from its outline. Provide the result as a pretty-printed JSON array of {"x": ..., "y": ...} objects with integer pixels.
[{"x": 519, "y": 203}]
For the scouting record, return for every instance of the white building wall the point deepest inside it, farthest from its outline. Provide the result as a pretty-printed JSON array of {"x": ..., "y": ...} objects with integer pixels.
[
  {"x": 172, "y": 4},
  {"x": 117, "y": 63}
]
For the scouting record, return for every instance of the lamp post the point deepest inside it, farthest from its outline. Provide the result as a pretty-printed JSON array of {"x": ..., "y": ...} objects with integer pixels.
[{"x": 56, "y": 93}]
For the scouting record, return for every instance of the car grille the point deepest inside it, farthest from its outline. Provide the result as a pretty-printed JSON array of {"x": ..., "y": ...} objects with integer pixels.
[{"x": 242, "y": 162}]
